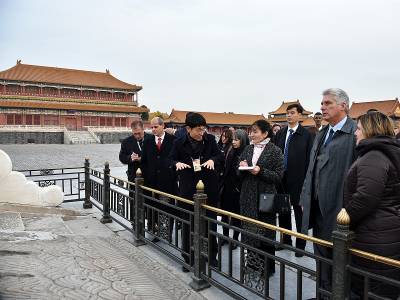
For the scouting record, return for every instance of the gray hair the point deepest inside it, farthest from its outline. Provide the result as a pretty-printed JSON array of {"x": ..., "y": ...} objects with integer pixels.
[
  {"x": 159, "y": 120},
  {"x": 242, "y": 136},
  {"x": 339, "y": 95}
]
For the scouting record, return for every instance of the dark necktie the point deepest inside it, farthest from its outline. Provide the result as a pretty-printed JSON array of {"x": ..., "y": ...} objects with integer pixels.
[
  {"x": 330, "y": 137},
  {"x": 159, "y": 144},
  {"x": 286, "y": 151}
]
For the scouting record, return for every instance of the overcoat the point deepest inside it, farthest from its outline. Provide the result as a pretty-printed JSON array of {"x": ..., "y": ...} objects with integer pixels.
[
  {"x": 372, "y": 200},
  {"x": 182, "y": 152},
  {"x": 332, "y": 168},
  {"x": 158, "y": 173},
  {"x": 231, "y": 183},
  {"x": 298, "y": 159},
  {"x": 128, "y": 146},
  {"x": 271, "y": 172}
]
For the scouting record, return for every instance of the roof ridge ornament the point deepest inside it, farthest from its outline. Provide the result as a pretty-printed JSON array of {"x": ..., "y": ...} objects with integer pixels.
[
  {"x": 19, "y": 61},
  {"x": 107, "y": 71}
]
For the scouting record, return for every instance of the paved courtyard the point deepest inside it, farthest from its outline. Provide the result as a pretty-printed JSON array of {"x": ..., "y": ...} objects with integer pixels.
[
  {"x": 67, "y": 254},
  {"x": 34, "y": 156}
]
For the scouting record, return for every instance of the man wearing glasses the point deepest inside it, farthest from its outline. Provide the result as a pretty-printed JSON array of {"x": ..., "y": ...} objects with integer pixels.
[
  {"x": 131, "y": 149},
  {"x": 195, "y": 157}
]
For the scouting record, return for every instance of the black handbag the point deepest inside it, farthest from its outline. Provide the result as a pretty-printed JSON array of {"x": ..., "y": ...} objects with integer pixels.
[{"x": 274, "y": 203}]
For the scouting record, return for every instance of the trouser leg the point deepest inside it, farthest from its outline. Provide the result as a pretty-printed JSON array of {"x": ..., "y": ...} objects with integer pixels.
[
  {"x": 325, "y": 280},
  {"x": 298, "y": 215},
  {"x": 285, "y": 221}
]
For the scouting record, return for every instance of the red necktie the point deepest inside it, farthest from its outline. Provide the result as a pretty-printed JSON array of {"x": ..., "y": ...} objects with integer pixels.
[{"x": 159, "y": 144}]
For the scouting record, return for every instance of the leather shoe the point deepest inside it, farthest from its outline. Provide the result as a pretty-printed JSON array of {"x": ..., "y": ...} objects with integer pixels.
[
  {"x": 298, "y": 254},
  {"x": 155, "y": 240},
  {"x": 214, "y": 262},
  {"x": 185, "y": 270}
]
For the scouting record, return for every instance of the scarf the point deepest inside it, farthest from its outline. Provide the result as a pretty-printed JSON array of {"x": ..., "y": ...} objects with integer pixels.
[{"x": 258, "y": 149}]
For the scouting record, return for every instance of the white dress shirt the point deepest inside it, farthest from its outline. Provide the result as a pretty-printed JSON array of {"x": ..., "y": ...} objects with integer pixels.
[
  {"x": 335, "y": 128},
  {"x": 157, "y": 137},
  {"x": 288, "y": 132}
]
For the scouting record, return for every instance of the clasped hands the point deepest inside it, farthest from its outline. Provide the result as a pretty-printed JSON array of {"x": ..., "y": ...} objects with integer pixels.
[
  {"x": 209, "y": 164},
  {"x": 253, "y": 171}
]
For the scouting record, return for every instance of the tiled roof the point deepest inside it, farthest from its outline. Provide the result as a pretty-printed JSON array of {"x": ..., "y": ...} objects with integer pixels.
[
  {"x": 309, "y": 122},
  {"x": 52, "y": 75},
  {"x": 71, "y": 106},
  {"x": 282, "y": 118},
  {"x": 388, "y": 107},
  {"x": 282, "y": 109},
  {"x": 212, "y": 118}
]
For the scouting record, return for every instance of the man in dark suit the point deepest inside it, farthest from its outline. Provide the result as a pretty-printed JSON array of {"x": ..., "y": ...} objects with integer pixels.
[
  {"x": 131, "y": 149},
  {"x": 157, "y": 170},
  {"x": 196, "y": 157},
  {"x": 318, "y": 124},
  {"x": 295, "y": 142},
  {"x": 331, "y": 156}
]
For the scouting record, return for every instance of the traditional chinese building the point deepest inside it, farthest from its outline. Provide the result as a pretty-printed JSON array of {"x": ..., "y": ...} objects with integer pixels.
[
  {"x": 279, "y": 116},
  {"x": 390, "y": 108},
  {"x": 216, "y": 122},
  {"x": 74, "y": 99}
]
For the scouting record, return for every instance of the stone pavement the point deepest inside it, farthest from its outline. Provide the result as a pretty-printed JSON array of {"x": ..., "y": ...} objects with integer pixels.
[
  {"x": 65, "y": 254},
  {"x": 34, "y": 156}
]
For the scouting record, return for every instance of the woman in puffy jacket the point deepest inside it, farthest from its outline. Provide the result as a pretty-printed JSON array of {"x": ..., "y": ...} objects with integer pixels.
[{"x": 372, "y": 200}]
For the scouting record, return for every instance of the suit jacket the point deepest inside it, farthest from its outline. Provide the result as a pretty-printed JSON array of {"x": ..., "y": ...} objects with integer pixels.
[
  {"x": 298, "y": 159},
  {"x": 332, "y": 169},
  {"x": 158, "y": 173},
  {"x": 182, "y": 152},
  {"x": 128, "y": 146}
]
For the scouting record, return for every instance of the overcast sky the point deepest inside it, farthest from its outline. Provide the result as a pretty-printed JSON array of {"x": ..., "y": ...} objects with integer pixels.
[{"x": 241, "y": 56}]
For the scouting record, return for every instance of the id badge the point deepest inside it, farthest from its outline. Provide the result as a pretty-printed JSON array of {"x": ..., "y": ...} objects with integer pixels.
[{"x": 196, "y": 165}]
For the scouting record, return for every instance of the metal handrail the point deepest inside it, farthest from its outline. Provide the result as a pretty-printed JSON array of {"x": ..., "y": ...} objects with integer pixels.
[
  {"x": 167, "y": 195},
  {"x": 377, "y": 258},
  {"x": 359, "y": 253},
  {"x": 271, "y": 227}
]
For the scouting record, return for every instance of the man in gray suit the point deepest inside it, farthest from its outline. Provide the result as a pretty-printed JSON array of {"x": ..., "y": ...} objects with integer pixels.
[{"x": 331, "y": 156}]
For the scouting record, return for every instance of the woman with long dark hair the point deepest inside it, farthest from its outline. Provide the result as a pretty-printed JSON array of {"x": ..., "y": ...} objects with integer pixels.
[
  {"x": 372, "y": 200},
  {"x": 231, "y": 184}
]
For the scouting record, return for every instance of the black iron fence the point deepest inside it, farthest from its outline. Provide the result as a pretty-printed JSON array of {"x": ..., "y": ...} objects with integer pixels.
[
  {"x": 71, "y": 180},
  {"x": 186, "y": 231}
]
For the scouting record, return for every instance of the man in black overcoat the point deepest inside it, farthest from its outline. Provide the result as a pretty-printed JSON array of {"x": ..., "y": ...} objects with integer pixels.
[
  {"x": 158, "y": 173},
  {"x": 131, "y": 149},
  {"x": 196, "y": 157},
  {"x": 296, "y": 143}
]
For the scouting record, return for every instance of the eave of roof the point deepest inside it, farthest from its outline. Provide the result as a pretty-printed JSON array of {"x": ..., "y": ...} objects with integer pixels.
[
  {"x": 53, "y": 75},
  {"x": 71, "y": 106}
]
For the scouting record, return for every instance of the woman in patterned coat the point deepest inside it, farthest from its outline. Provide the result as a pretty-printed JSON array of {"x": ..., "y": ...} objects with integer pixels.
[{"x": 267, "y": 160}]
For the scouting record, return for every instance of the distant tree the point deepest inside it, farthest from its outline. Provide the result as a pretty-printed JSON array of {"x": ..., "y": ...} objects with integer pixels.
[
  {"x": 144, "y": 115},
  {"x": 158, "y": 114}
]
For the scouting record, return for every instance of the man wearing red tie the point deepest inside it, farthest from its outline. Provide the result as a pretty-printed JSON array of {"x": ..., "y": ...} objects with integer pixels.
[{"x": 157, "y": 170}]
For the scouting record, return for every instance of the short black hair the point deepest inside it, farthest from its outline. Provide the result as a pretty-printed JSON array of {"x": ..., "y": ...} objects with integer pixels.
[
  {"x": 297, "y": 106},
  {"x": 194, "y": 120},
  {"x": 318, "y": 113},
  {"x": 263, "y": 125}
]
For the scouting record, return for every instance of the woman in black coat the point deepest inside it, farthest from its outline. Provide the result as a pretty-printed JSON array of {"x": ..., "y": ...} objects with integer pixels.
[
  {"x": 231, "y": 184},
  {"x": 267, "y": 160},
  {"x": 372, "y": 200}
]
